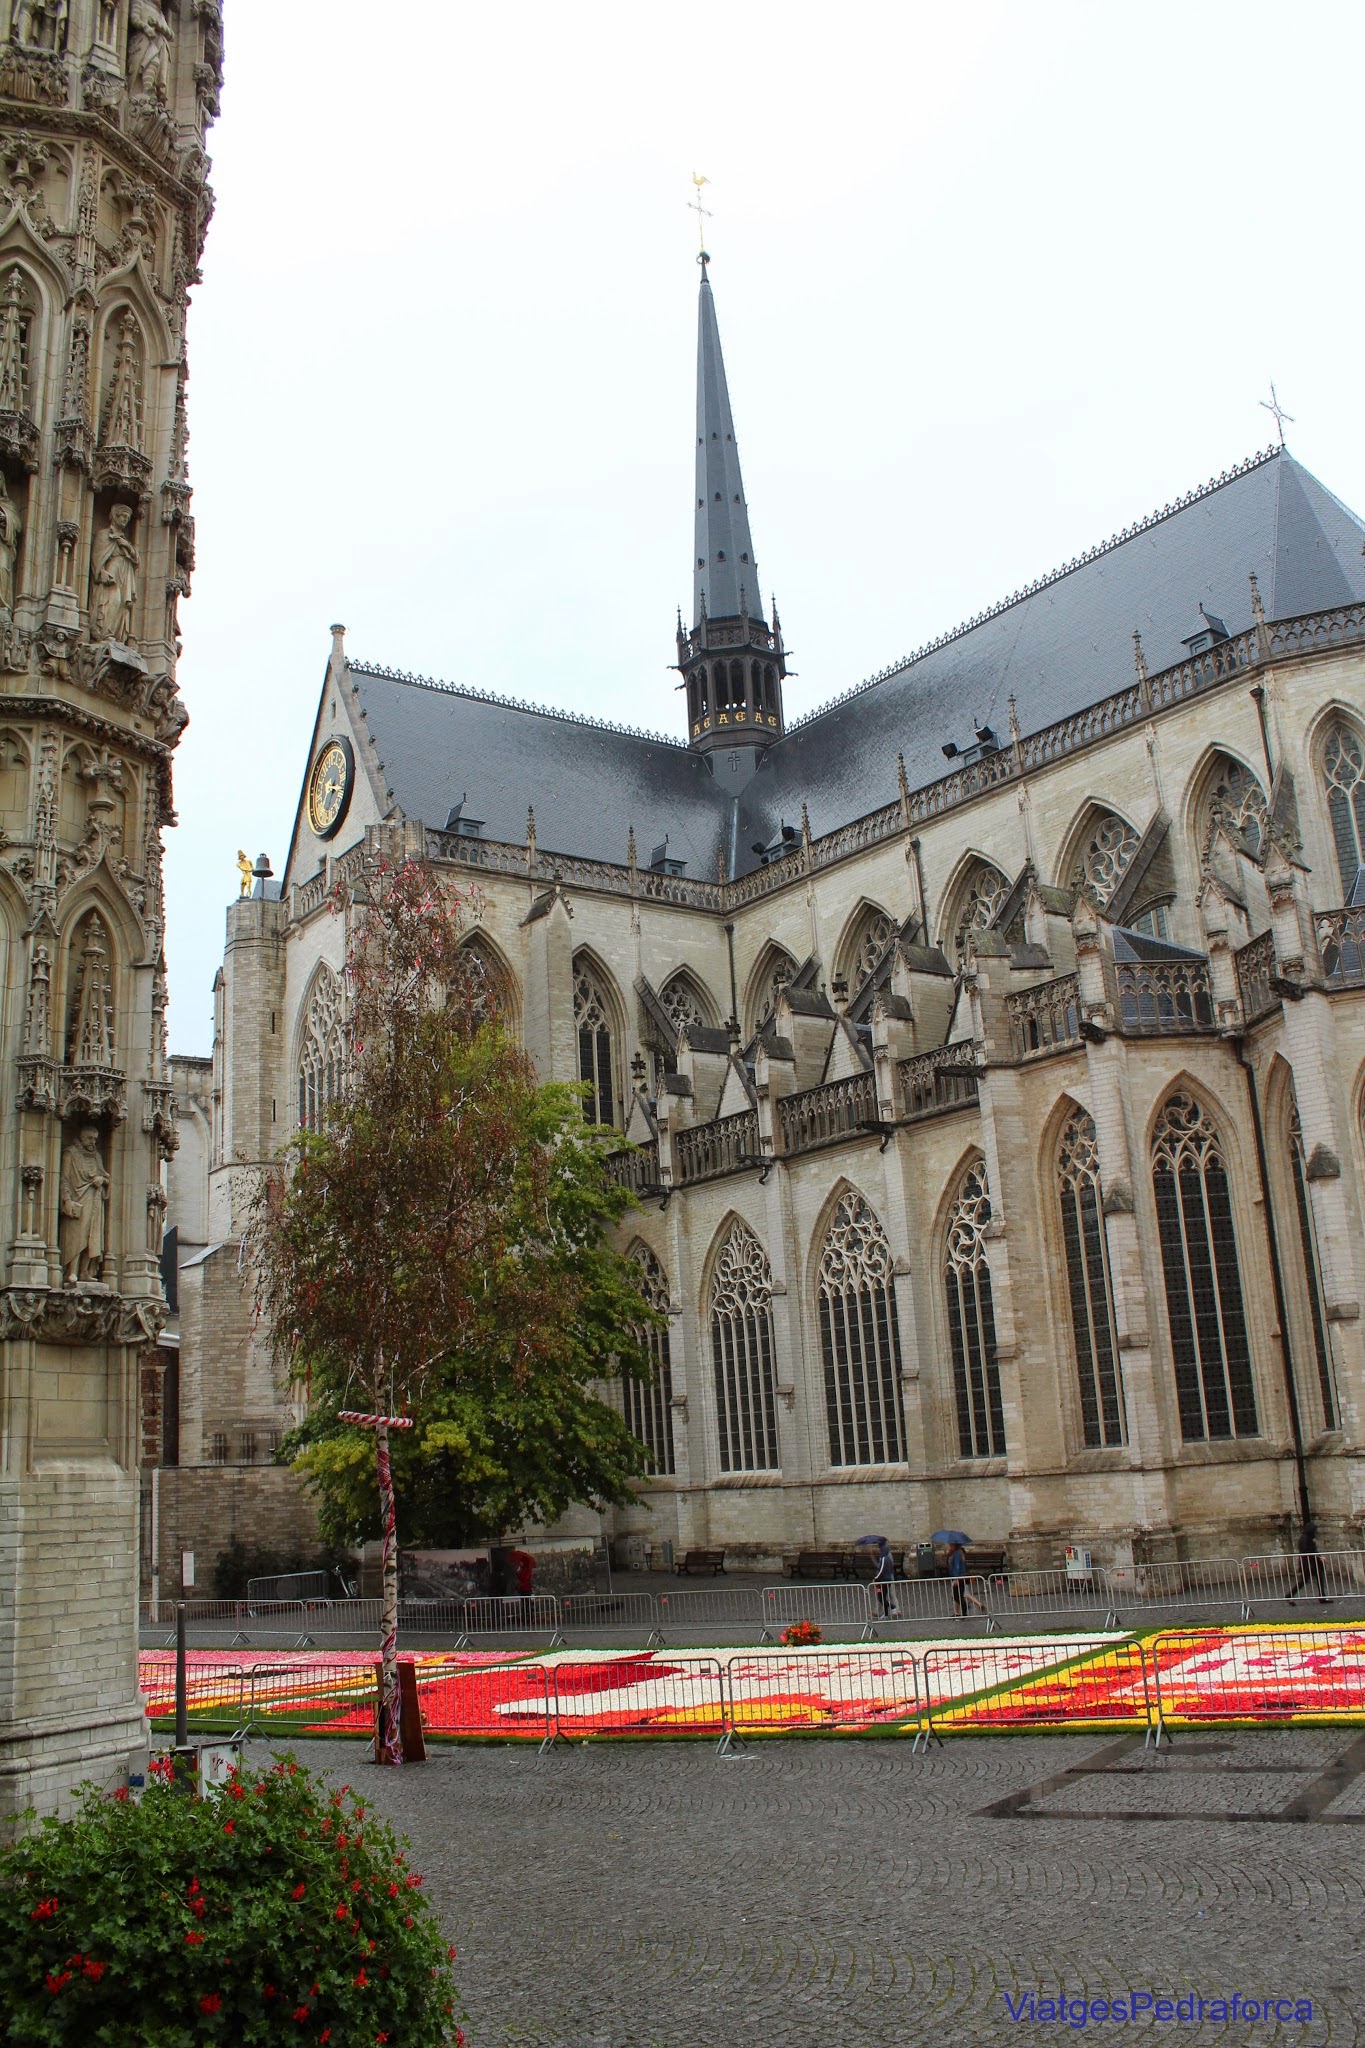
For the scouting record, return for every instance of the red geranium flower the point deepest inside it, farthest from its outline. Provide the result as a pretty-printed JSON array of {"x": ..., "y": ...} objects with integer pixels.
[
  {"x": 210, "y": 2002},
  {"x": 194, "y": 1939},
  {"x": 300, "y": 1890},
  {"x": 44, "y": 1909}
]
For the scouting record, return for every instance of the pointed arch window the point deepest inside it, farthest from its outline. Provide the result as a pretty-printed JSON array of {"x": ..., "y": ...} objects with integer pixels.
[
  {"x": 1234, "y": 799},
  {"x": 483, "y": 987},
  {"x": 1312, "y": 1272},
  {"x": 742, "y": 1354},
  {"x": 322, "y": 1061},
  {"x": 649, "y": 1408},
  {"x": 971, "y": 1320},
  {"x": 1107, "y": 847},
  {"x": 860, "y": 1339},
  {"x": 681, "y": 1004},
  {"x": 980, "y": 896},
  {"x": 1343, "y": 769},
  {"x": 1089, "y": 1287},
  {"x": 871, "y": 936},
  {"x": 1204, "y": 1301},
  {"x": 591, "y": 1017}
]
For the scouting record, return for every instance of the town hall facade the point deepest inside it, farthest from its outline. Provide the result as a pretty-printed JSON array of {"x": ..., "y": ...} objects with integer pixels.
[{"x": 987, "y": 1047}]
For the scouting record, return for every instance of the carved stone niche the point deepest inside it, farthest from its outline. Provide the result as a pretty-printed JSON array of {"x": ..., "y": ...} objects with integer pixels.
[{"x": 83, "y": 1203}]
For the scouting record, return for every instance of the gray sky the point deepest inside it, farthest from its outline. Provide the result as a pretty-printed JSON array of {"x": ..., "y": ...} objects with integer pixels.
[{"x": 993, "y": 281}]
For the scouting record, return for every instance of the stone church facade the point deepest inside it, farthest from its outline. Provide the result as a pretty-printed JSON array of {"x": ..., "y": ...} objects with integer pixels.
[
  {"x": 988, "y": 1047},
  {"x": 104, "y": 106}
]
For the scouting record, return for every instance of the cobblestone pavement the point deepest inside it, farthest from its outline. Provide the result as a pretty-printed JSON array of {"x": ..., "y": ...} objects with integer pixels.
[{"x": 844, "y": 1894}]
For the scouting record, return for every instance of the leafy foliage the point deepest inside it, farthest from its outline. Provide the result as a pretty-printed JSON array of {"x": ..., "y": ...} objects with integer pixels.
[
  {"x": 269, "y": 1911},
  {"x": 436, "y": 1249}
]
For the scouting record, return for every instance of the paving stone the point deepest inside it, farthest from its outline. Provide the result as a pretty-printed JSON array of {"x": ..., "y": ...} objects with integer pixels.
[{"x": 849, "y": 1895}]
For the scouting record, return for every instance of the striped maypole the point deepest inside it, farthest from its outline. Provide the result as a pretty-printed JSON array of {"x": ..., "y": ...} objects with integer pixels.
[{"x": 390, "y": 1737}]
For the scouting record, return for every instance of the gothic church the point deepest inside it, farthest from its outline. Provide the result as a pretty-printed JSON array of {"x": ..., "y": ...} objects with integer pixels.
[{"x": 992, "y": 1094}]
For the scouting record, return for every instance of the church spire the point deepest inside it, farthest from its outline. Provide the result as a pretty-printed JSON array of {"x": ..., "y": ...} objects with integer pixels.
[{"x": 734, "y": 700}]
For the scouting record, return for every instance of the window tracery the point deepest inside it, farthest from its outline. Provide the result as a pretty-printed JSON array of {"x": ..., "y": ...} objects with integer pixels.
[
  {"x": 483, "y": 985},
  {"x": 1235, "y": 799},
  {"x": 1099, "y": 866},
  {"x": 742, "y": 1354},
  {"x": 680, "y": 1004},
  {"x": 592, "y": 1020},
  {"x": 1204, "y": 1299},
  {"x": 873, "y": 935},
  {"x": 860, "y": 1339},
  {"x": 980, "y": 897},
  {"x": 649, "y": 1408},
  {"x": 1088, "y": 1283},
  {"x": 971, "y": 1320},
  {"x": 322, "y": 1061},
  {"x": 1343, "y": 770}
]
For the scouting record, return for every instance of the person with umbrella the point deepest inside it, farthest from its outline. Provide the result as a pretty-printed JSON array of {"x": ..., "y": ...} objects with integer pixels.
[
  {"x": 957, "y": 1541},
  {"x": 884, "y": 1577},
  {"x": 524, "y": 1566}
]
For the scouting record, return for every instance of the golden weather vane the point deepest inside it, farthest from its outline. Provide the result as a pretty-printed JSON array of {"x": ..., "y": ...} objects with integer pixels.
[{"x": 703, "y": 213}]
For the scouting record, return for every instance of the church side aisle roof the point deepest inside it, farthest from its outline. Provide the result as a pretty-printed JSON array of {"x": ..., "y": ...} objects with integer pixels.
[
  {"x": 1059, "y": 646},
  {"x": 1067, "y": 642}
]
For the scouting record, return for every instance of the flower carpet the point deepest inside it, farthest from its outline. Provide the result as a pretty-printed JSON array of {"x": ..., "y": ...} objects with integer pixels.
[{"x": 1230, "y": 1673}]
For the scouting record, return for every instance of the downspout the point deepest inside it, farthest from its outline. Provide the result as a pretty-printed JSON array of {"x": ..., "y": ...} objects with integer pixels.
[
  {"x": 1277, "y": 1281},
  {"x": 734, "y": 990}
]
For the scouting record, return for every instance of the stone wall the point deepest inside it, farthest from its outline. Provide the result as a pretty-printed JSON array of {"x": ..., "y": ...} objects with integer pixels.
[{"x": 204, "y": 1508}]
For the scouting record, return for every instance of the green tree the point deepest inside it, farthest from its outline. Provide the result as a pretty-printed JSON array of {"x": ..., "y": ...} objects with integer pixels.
[{"x": 434, "y": 1252}]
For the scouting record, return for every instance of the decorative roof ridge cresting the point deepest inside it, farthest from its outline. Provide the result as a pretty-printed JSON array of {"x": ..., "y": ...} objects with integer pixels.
[
  {"x": 477, "y": 696},
  {"x": 1104, "y": 547}
]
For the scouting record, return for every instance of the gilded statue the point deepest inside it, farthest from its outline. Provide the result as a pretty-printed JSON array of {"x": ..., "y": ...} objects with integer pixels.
[
  {"x": 83, "y": 1194},
  {"x": 245, "y": 870},
  {"x": 9, "y": 546},
  {"x": 113, "y": 596}
]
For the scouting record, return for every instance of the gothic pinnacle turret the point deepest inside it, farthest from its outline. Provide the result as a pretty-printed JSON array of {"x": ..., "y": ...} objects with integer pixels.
[{"x": 734, "y": 696}]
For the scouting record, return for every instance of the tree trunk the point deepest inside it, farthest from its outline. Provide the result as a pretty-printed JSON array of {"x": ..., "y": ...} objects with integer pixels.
[{"x": 390, "y": 1737}]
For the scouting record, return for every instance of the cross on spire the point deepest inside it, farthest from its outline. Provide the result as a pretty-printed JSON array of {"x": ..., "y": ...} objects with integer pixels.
[
  {"x": 703, "y": 214},
  {"x": 1272, "y": 405}
]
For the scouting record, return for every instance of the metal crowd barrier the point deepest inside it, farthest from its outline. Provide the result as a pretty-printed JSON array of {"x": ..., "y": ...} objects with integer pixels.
[
  {"x": 832, "y": 1606},
  {"x": 508, "y": 1702},
  {"x": 1325, "y": 1576},
  {"x": 723, "y": 1607},
  {"x": 863, "y": 1690},
  {"x": 518, "y": 1614},
  {"x": 1038, "y": 1594},
  {"x": 1023, "y": 1685},
  {"x": 637, "y": 1707},
  {"x": 1182, "y": 1582},
  {"x": 1258, "y": 1675},
  {"x": 214, "y": 1693},
  {"x": 310, "y": 1698},
  {"x": 611, "y": 1614},
  {"x": 915, "y": 1601}
]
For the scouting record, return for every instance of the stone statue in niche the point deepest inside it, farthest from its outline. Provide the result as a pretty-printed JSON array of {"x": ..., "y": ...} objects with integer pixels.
[
  {"x": 149, "y": 50},
  {"x": 40, "y": 24},
  {"x": 84, "y": 1195},
  {"x": 113, "y": 596},
  {"x": 10, "y": 529}
]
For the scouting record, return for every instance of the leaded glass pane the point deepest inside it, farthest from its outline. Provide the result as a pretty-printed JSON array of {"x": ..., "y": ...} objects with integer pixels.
[
  {"x": 1212, "y": 1356},
  {"x": 1343, "y": 763},
  {"x": 971, "y": 1321},
  {"x": 1088, "y": 1284},
  {"x": 860, "y": 1339},
  {"x": 649, "y": 1405},
  {"x": 591, "y": 1016},
  {"x": 742, "y": 1355},
  {"x": 322, "y": 1058}
]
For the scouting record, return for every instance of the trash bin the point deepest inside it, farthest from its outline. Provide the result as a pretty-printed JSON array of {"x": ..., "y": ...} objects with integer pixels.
[{"x": 926, "y": 1564}]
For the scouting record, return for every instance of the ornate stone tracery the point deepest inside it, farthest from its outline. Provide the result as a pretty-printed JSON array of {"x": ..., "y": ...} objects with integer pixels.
[
  {"x": 1098, "y": 868},
  {"x": 322, "y": 1060},
  {"x": 1089, "y": 1287},
  {"x": 871, "y": 936},
  {"x": 742, "y": 1354},
  {"x": 971, "y": 1319},
  {"x": 1204, "y": 1300},
  {"x": 860, "y": 1338},
  {"x": 596, "y": 1063},
  {"x": 649, "y": 1408},
  {"x": 1343, "y": 772}
]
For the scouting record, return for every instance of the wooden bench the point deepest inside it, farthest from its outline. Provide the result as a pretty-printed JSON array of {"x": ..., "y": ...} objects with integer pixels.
[
  {"x": 701, "y": 1561},
  {"x": 824, "y": 1565}
]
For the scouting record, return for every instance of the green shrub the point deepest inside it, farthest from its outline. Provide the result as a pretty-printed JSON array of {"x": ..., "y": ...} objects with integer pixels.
[{"x": 271, "y": 1910}]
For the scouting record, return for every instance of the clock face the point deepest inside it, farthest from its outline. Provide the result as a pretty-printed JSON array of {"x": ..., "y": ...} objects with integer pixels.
[{"x": 329, "y": 787}]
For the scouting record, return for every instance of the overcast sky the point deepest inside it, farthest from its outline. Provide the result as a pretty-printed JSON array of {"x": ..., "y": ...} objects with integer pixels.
[{"x": 993, "y": 281}]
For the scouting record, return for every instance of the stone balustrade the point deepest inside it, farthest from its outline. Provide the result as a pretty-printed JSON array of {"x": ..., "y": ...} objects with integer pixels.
[
  {"x": 1255, "y": 972},
  {"x": 730, "y": 1144},
  {"x": 946, "y": 1078},
  {"x": 1045, "y": 1018},
  {"x": 822, "y": 1116}
]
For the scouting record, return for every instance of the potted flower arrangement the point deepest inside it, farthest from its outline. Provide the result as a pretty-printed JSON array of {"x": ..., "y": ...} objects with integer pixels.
[{"x": 801, "y": 1633}]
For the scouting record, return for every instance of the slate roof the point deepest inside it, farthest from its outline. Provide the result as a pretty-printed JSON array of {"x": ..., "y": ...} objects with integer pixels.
[
  {"x": 724, "y": 565},
  {"x": 1064, "y": 643}
]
